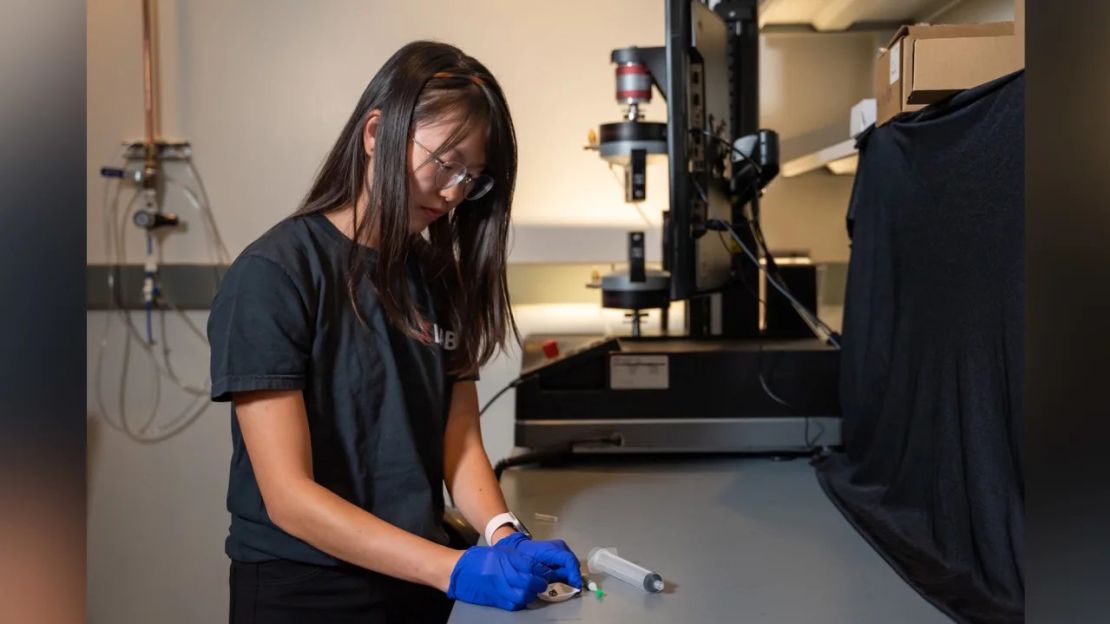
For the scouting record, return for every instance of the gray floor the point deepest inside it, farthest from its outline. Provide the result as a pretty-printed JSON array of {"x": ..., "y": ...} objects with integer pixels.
[{"x": 737, "y": 540}]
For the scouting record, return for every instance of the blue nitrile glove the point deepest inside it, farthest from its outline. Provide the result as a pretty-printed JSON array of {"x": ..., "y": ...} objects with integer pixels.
[
  {"x": 496, "y": 577},
  {"x": 560, "y": 562}
]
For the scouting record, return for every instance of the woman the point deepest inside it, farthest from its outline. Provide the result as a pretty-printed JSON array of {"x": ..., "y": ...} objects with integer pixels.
[{"x": 348, "y": 342}]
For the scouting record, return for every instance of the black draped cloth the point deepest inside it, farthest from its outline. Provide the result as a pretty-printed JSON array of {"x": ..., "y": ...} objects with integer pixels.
[{"x": 933, "y": 352}]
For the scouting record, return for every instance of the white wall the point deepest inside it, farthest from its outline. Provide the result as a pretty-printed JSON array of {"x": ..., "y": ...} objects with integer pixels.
[
  {"x": 809, "y": 82},
  {"x": 155, "y": 521},
  {"x": 260, "y": 87}
]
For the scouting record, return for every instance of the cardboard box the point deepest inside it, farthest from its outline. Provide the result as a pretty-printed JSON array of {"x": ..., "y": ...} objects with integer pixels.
[
  {"x": 946, "y": 66},
  {"x": 926, "y": 63}
]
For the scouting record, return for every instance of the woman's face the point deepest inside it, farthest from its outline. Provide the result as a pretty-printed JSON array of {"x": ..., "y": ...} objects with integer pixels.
[{"x": 428, "y": 200}]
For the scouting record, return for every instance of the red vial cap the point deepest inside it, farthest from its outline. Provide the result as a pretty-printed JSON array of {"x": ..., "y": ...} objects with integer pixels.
[{"x": 551, "y": 349}]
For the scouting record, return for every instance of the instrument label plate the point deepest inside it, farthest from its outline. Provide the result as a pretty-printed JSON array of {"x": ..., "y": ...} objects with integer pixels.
[{"x": 639, "y": 372}]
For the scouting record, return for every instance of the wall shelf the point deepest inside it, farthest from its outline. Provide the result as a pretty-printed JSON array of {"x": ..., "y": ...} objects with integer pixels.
[
  {"x": 829, "y": 147},
  {"x": 846, "y": 15}
]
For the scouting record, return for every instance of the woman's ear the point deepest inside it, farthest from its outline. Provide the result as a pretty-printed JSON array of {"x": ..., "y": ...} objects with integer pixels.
[{"x": 370, "y": 130}]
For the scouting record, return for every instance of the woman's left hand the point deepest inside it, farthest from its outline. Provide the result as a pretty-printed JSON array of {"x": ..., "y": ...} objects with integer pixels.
[{"x": 562, "y": 563}]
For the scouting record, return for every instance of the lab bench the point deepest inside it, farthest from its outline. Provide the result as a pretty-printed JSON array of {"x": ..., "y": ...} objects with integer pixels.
[{"x": 735, "y": 539}]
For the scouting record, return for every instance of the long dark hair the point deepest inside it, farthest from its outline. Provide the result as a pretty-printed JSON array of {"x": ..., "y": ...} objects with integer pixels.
[{"x": 424, "y": 81}]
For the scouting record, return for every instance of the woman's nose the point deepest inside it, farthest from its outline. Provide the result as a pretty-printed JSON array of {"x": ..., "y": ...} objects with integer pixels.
[{"x": 453, "y": 195}]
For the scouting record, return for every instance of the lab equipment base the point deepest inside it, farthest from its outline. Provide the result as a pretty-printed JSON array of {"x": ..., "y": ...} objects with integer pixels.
[
  {"x": 684, "y": 435},
  {"x": 675, "y": 394}
]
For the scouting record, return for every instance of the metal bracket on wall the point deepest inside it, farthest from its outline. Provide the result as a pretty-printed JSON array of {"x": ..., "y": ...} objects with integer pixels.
[
  {"x": 189, "y": 286},
  {"x": 193, "y": 286},
  {"x": 166, "y": 150}
]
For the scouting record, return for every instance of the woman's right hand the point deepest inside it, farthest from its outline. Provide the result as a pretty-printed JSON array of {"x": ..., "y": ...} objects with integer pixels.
[{"x": 496, "y": 578}]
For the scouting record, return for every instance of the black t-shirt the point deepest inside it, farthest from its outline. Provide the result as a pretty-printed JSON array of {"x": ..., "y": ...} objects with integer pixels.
[{"x": 376, "y": 399}]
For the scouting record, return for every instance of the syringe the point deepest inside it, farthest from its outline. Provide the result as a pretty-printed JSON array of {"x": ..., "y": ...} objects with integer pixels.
[{"x": 606, "y": 561}]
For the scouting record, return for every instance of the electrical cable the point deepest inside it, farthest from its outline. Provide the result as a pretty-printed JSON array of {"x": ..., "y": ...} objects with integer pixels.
[
  {"x": 512, "y": 384},
  {"x": 115, "y": 228},
  {"x": 221, "y": 255},
  {"x": 116, "y": 305},
  {"x": 108, "y": 226},
  {"x": 771, "y": 271},
  {"x": 120, "y": 255},
  {"x": 809, "y": 443},
  {"x": 123, "y": 394},
  {"x": 756, "y": 228},
  {"x": 204, "y": 209},
  {"x": 745, "y": 157},
  {"x": 148, "y": 304},
  {"x": 497, "y": 395},
  {"x": 817, "y": 326},
  {"x": 165, "y": 344},
  {"x": 121, "y": 224},
  {"x": 218, "y": 254},
  {"x": 811, "y": 319},
  {"x": 757, "y": 235},
  {"x": 221, "y": 247},
  {"x": 701, "y": 192},
  {"x": 209, "y": 220}
]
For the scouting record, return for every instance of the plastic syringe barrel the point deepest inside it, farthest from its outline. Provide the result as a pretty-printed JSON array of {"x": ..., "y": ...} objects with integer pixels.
[{"x": 606, "y": 561}]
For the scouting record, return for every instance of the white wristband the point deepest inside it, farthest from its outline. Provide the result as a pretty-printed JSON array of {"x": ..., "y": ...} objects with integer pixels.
[{"x": 497, "y": 522}]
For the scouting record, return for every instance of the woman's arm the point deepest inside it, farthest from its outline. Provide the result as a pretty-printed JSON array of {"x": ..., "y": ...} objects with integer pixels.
[
  {"x": 467, "y": 471},
  {"x": 275, "y": 431},
  {"x": 475, "y": 490}
]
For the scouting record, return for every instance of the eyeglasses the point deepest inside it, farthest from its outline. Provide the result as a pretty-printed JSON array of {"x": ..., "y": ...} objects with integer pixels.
[{"x": 452, "y": 174}]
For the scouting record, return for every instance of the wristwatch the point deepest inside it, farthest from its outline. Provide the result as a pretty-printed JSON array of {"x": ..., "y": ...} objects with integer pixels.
[{"x": 501, "y": 520}]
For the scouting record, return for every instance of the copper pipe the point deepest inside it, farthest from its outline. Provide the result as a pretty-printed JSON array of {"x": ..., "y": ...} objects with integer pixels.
[{"x": 148, "y": 85}]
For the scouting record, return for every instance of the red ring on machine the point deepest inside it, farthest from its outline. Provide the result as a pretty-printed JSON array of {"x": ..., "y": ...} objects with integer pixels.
[{"x": 633, "y": 83}]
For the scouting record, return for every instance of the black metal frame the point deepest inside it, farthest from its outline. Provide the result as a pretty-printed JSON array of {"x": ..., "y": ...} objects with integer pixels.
[
  {"x": 739, "y": 308},
  {"x": 682, "y": 248}
]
